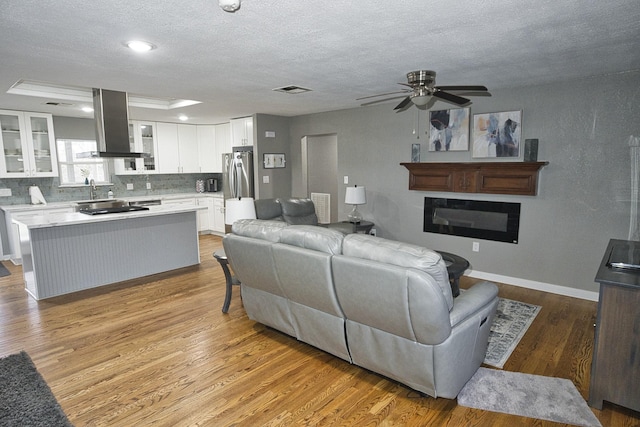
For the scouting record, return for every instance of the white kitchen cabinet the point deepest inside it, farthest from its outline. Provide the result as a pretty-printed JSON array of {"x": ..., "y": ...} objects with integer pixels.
[
  {"x": 205, "y": 216},
  {"x": 188, "y": 145},
  {"x": 223, "y": 143},
  {"x": 177, "y": 148},
  {"x": 142, "y": 139},
  {"x": 217, "y": 219},
  {"x": 207, "y": 149},
  {"x": 242, "y": 131},
  {"x": 28, "y": 145}
]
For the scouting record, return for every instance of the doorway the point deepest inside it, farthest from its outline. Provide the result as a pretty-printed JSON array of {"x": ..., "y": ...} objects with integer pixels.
[{"x": 320, "y": 168}]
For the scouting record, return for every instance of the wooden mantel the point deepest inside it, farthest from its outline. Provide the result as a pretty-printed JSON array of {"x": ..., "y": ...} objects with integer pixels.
[{"x": 519, "y": 178}]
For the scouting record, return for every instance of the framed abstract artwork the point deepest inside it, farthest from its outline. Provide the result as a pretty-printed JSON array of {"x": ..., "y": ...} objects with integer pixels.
[
  {"x": 497, "y": 135},
  {"x": 449, "y": 130}
]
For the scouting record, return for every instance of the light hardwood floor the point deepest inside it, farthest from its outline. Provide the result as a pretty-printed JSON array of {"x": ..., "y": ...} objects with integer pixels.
[{"x": 159, "y": 351}]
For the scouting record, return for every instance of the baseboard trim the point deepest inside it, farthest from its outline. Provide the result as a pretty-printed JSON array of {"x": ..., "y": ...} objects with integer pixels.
[{"x": 532, "y": 284}]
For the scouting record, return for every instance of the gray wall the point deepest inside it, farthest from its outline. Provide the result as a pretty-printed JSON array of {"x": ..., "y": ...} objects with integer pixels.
[
  {"x": 279, "y": 179},
  {"x": 583, "y": 199}
]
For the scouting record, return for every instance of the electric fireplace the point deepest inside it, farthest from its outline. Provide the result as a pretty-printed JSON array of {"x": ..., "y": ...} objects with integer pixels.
[{"x": 498, "y": 221}]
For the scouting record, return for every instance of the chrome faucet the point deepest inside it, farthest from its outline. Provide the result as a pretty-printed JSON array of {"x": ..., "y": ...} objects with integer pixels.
[{"x": 92, "y": 189}]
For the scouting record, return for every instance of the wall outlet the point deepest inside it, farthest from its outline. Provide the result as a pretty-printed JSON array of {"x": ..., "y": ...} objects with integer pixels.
[
  {"x": 265, "y": 179},
  {"x": 475, "y": 247},
  {"x": 148, "y": 186},
  {"x": 373, "y": 232},
  {"x": 129, "y": 186},
  {"x": 5, "y": 192},
  {"x": 346, "y": 179}
]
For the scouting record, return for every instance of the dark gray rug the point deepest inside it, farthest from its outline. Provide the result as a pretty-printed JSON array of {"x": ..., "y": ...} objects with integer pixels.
[
  {"x": 25, "y": 398},
  {"x": 512, "y": 320},
  {"x": 532, "y": 396},
  {"x": 3, "y": 270}
]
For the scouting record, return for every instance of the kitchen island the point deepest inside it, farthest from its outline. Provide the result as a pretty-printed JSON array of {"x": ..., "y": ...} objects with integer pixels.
[{"x": 69, "y": 252}]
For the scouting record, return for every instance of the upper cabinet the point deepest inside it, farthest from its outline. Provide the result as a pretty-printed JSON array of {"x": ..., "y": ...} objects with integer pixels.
[
  {"x": 28, "y": 145},
  {"x": 142, "y": 139},
  {"x": 242, "y": 131},
  {"x": 223, "y": 143},
  {"x": 177, "y": 148},
  {"x": 518, "y": 178},
  {"x": 207, "y": 148}
]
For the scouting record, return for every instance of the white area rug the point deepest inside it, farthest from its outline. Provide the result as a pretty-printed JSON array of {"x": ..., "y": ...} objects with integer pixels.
[
  {"x": 512, "y": 320},
  {"x": 533, "y": 396}
]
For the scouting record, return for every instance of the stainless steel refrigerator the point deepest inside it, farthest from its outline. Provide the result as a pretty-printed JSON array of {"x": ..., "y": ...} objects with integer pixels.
[{"x": 238, "y": 174}]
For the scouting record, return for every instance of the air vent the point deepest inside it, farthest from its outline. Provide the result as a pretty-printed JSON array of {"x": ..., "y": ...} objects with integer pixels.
[{"x": 292, "y": 89}]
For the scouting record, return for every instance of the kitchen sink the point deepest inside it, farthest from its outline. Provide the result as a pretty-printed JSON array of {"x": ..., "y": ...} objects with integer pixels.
[{"x": 100, "y": 204}]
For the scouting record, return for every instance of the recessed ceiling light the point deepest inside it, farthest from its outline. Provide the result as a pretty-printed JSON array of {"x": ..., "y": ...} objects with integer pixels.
[
  {"x": 139, "y": 46},
  {"x": 183, "y": 117}
]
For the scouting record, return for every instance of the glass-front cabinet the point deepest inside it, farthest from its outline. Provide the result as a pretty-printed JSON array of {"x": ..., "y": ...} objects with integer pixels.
[
  {"x": 28, "y": 145},
  {"x": 142, "y": 139}
]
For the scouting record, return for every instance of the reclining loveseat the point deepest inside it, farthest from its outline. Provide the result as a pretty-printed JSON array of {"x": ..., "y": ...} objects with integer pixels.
[
  {"x": 295, "y": 211},
  {"x": 380, "y": 304}
]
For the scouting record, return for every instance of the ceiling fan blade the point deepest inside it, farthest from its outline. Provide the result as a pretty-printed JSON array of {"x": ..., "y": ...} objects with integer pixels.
[
  {"x": 403, "y": 104},
  {"x": 382, "y": 94},
  {"x": 378, "y": 101},
  {"x": 451, "y": 97},
  {"x": 465, "y": 88}
]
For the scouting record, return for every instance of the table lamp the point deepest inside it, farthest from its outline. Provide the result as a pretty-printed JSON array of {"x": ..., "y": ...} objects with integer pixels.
[
  {"x": 355, "y": 196},
  {"x": 241, "y": 208}
]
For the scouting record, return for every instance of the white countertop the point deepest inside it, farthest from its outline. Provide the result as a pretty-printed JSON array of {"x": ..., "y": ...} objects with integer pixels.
[
  {"x": 70, "y": 204},
  {"x": 70, "y": 218}
]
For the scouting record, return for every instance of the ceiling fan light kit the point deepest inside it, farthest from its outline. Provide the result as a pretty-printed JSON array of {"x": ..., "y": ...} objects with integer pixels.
[
  {"x": 423, "y": 89},
  {"x": 229, "y": 5}
]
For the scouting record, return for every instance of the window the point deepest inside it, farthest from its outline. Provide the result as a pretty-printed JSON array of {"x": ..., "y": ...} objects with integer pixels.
[{"x": 74, "y": 170}]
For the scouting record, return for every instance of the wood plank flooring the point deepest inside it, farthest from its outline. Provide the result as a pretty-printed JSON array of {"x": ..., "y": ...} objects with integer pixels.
[{"x": 159, "y": 351}]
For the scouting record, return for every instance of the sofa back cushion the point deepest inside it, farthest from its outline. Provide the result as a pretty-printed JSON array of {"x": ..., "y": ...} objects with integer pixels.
[
  {"x": 401, "y": 254},
  {"x": 259, "y": 229},
  {"x": 299, "y": 211},
  {"x": 313, "y": 237},
  {"x": 268, "y": 209}
]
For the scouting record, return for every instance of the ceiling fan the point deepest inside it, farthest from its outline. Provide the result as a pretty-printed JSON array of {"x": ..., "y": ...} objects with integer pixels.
[{"x": 422, "y": 89}]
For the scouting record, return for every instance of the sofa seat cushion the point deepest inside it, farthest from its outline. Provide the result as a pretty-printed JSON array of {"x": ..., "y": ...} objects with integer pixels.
[
  {"x": 313, "y": 237},
  {"x": 401, "y": 254}
]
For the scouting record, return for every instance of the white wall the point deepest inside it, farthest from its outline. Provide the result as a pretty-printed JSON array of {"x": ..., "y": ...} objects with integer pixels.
[{"x": 583, "y": 127}]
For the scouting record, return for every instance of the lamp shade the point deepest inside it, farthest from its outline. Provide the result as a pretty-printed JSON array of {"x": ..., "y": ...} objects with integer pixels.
[
  {"x": 236, "y": 209},
  {"x": 355, "y": 196}
]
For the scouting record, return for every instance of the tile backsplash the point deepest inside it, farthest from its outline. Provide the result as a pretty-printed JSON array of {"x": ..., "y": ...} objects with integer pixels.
[{"x": 160, "y": 184}]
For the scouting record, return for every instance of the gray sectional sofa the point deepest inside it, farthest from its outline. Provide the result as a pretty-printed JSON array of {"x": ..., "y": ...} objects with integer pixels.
[{"x": 380, "y": 304}]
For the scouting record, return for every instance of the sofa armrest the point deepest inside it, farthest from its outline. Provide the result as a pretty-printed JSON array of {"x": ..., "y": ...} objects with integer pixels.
[{"x": 472, "y": 300}]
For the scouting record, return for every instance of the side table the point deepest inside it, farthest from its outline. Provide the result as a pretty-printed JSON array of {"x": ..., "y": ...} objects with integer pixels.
[
  {"x": 360, "y": 227},
  {"x": 221, "y": 257},
  {"x": 456, "y": 266}
]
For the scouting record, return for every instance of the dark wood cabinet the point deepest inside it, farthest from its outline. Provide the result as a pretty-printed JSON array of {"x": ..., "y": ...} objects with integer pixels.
[
  {"x": 520, "y": 178},
  {"x": 615, "y": 367}
]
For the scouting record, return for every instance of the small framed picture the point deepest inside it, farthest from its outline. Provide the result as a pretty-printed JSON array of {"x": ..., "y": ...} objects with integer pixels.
[
  {"x": 449, "y": 130},
  {"x": 497, "y": 134},
  {"x": 273, "y": 161}
]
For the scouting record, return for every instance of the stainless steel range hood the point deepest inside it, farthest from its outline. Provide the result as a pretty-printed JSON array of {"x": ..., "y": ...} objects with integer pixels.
[{"x": 111, "y": 112}]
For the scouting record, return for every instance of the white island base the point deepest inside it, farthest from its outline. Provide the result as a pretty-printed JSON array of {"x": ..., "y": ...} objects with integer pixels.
[{"x": 80, "y": 252}]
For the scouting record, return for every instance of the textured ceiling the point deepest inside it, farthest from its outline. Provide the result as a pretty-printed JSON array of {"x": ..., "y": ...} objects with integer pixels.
[{"x": 341, "y": 50}]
